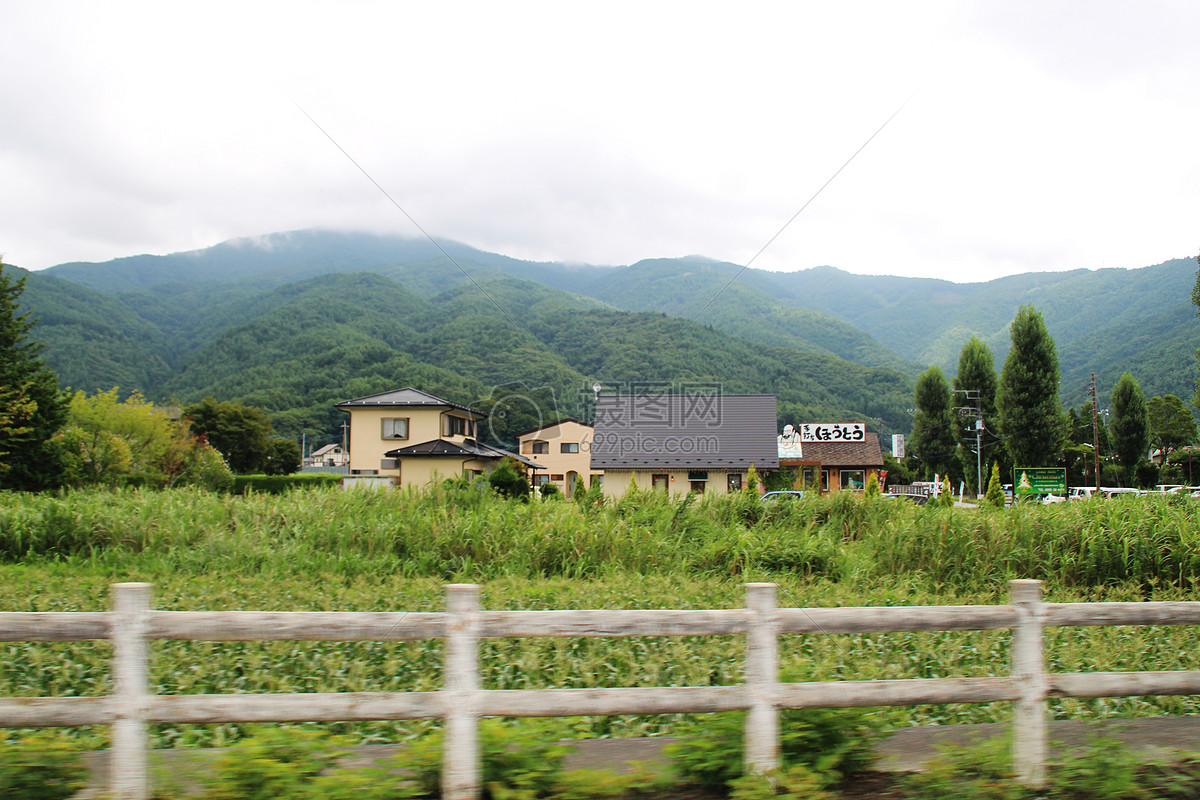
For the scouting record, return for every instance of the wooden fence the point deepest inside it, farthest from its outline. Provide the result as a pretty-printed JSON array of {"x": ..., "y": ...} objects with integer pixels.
[{"x": 132, "y": 623}]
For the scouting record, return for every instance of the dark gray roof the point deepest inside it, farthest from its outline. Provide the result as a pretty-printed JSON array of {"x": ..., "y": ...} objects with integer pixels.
[
  {"x": 688, "y": 431},
  {"x": 468, "y": 448},
  {"x": 410, "y": 398}
]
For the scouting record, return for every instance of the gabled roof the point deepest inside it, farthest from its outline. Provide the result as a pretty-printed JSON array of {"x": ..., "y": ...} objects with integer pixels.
[
  {"x": 405, "y": 398},
  {"x": 553, "y": 424},
  {"x": 468, "y": 448},
  {"x": 688, "y": 431},
  {"x": 320, "y": 451}
]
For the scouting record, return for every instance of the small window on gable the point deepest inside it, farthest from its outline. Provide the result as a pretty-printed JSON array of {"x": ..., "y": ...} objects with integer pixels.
[
  {"x": 395, "y": 428},
  {"x": 569, "y": 447}
]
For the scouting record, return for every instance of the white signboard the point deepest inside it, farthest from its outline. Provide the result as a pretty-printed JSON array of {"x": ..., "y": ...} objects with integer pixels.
[
  {"x": 833, "y": 432},
  {"x": 898, "y": 445}
]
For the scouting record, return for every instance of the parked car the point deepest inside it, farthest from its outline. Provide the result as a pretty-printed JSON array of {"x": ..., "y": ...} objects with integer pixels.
[{"x": 785, "y": 495}]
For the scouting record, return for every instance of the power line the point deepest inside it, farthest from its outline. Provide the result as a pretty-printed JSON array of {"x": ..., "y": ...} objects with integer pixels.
[{"x": 816, "y": 194}]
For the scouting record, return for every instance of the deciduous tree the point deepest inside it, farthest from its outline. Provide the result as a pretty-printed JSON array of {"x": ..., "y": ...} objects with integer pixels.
[
  {"x": 1171, "y": 424},
  {"x": 1031, "y": 417},
  {"x": 933, "y": 426},
  {"x": 976, "y": 373},
  {"x": 241, "y": 433}
]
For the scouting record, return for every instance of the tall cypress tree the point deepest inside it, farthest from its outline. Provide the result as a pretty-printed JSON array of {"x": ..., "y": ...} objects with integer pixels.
[
  {"x": 1130, "y": 425},
  {"x": 1031, "y": 417},
  {"x": 933, "y": 427},
  {"x": 31, "y": 409},
  {"x": 977, "y": 373}
]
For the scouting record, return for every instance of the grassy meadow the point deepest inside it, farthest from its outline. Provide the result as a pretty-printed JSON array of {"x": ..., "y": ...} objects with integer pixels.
[{"x": 324, "y": 549}]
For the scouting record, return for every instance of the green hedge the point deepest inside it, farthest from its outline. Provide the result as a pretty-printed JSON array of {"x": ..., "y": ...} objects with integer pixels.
[{"x": 278, "y": 484}]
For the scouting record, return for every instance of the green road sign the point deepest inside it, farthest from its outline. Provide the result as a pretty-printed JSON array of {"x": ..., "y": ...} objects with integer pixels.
[{"x": 1039, "y": 480}]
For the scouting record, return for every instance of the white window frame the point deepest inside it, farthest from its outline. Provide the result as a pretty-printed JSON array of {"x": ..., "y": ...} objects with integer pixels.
[{"x": 384, "y": 426}]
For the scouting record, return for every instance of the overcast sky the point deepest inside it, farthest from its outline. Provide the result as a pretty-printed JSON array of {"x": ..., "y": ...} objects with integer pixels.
[{"x": 1030, "y": 136}]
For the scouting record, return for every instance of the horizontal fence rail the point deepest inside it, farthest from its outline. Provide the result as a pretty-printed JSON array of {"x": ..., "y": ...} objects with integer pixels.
[{"x": 132, "y": 624}]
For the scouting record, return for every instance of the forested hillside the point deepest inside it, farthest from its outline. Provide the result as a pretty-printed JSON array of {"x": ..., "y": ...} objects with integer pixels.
[{"x": 295, "y": 322}]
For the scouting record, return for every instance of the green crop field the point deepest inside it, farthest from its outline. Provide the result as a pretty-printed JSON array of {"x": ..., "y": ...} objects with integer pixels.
[{"x": 330, "y": 550}]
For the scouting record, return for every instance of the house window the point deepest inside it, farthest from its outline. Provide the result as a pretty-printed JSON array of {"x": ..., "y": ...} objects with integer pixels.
[
  {"x": 853, "y": 479},
  {"x": 395, "y": 428},
  {"x": 735, "y": 482},
  {"x": 558, "y": 477},
  {"x": 459, "y": 426},
  {"x": 569, "y": 447},
  {"x": 661, "y": 482},
  {"x": 697, "y": 487},
  {"x": 540, "y": 480},
  {"x": 824, "y": 480},
  {"x": 808, "y": 478},
  {"x": 389, "y": 463},
  {"x": 541, "y": 448},
  {"x": 597, "y": 479}
]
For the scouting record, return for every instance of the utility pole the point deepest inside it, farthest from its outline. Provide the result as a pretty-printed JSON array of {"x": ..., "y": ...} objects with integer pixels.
[
  {"x": 977, "y": 413},
  {"x": 1095, "y": 433}
]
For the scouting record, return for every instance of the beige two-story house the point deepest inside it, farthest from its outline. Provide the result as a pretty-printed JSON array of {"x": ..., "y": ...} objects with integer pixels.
[
  {"x": 564, "y": 449},
  {"x": 415, "y": 438}
]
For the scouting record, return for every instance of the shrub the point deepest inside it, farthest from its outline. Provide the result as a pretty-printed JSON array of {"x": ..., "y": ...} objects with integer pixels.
[
  {"x": 516, "y": 761},
  {"x": 279, "y": 484},
  {"x": 995, "y": 492},
  {"x": 827, "y": 742},
  {"x": 508, "y": 481},
  {"x": 40, "y": 767}
]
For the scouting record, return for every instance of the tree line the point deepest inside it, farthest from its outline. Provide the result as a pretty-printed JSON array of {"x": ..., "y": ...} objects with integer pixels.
[
  {"x": 1021, "y": 422},
  {"x": 51, "y": 438}
]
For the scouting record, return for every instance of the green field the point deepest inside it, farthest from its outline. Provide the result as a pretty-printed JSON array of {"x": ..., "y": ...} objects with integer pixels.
[{"x": 329, "y": 550}]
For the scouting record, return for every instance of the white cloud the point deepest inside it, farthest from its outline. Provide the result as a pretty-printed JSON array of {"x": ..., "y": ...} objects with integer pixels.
[{"x": 1041, "y": 136}]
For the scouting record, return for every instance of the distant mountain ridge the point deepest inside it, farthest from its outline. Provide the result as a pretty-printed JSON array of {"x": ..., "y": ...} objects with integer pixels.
[{"x": 264, "y": 319}]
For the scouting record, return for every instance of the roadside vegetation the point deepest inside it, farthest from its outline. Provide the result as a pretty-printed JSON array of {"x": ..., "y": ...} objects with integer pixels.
[{"x": 326, "y": 549}]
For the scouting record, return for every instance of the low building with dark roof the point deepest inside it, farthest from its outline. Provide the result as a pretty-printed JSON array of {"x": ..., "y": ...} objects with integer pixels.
[
  {"x": 830, "y": 456},
  {"x": 683, "y": 443}
]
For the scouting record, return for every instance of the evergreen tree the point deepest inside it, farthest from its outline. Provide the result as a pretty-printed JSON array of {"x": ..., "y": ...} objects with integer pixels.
[
  {"x": 933, "y": 426},
  {"x": 1030, "y": 415},
  {"x": 995, "y": 490},
  {"x": 976, "y": 373},
  {"x": 1130, "y": 426},
  {"x": 1196, "y": 302},
  {"x": 31, "y": 410}
]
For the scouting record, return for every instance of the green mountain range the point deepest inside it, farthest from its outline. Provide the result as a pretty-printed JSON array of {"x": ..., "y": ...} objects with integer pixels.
[{"x": 295, "y": 322}]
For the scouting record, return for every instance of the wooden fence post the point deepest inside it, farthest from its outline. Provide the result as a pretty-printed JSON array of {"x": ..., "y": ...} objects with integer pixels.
[
  {"x": 460, "y": 758},
  {"x": 127, "y": 758},
  {"x": 762, "y": 679},
  {"x": 1029, "y": 715}
]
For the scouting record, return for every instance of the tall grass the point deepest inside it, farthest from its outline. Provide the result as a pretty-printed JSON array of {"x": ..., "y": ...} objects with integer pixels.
[
  {"x": 324, "y": 549},
  {"x": 465, "y": 533}
]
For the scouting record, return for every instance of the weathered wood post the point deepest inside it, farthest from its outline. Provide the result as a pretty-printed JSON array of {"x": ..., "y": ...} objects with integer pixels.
[
  {"x": 1029, "y": 715},
  {"x": 127, "y": 759},
  {"x": 762, "y": 679},
  {"x": 460, "y": 758}
]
